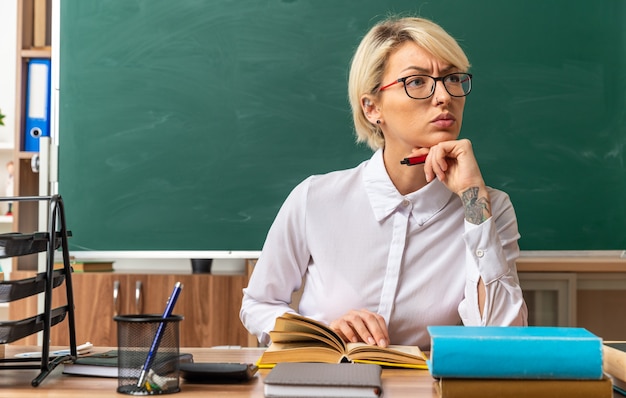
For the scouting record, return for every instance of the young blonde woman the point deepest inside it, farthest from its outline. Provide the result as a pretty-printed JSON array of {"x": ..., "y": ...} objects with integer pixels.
[{"x": 387, "y": 248}]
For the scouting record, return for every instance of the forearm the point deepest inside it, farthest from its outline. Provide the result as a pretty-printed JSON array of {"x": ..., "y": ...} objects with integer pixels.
[
  {"x": 476, "y": 204},
  {"x": 477, "y": 210}
]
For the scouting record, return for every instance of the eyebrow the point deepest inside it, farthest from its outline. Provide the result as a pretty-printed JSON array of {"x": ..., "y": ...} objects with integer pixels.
[{"x": 426, "y": 71}]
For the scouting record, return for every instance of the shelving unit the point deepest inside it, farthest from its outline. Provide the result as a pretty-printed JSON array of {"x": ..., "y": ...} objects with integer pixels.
[
  {"x": 33, "y": 41},
  {"x": 22, "y": 244}
]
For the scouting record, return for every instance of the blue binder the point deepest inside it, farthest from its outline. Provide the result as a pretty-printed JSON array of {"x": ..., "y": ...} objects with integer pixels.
[{"x": 37, "y": 123}]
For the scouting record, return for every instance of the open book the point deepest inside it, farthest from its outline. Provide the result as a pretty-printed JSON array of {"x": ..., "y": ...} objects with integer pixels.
[{"x": 299, "y": 339}]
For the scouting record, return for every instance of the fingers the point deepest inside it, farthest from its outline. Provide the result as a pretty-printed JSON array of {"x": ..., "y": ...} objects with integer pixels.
[
  {"x": 362, "y": 325},
  {"x": 436, "y": 163},
  {"x": 453, "y": 163}
]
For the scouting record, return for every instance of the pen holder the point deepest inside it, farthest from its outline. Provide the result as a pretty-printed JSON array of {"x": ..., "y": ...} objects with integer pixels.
[{"x": 148, "y": 340}]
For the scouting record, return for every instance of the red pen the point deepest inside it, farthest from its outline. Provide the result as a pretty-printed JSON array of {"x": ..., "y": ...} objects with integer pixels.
[{"x": 414, "y": 160}]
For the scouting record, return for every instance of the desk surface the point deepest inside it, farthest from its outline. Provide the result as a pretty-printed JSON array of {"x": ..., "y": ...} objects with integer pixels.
[{"x": 397, "y": 383}]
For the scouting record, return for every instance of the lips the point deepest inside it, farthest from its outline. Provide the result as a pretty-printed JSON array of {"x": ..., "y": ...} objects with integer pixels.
[{"x": 444, "y": 120}]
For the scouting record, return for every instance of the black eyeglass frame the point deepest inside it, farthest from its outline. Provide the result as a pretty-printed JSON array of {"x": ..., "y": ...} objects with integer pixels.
[{"x": 436, "y": 79}]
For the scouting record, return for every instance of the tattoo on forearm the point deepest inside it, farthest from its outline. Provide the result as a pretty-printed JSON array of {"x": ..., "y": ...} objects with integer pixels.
[{"x": 477, "y": 210}]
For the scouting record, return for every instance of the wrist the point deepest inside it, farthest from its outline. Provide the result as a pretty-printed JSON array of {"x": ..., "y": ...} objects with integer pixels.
[{"x": 476, "y": 204}]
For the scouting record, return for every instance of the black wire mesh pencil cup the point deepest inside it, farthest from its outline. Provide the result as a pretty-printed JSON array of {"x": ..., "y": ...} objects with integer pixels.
[{"x": 142, "y": 370}]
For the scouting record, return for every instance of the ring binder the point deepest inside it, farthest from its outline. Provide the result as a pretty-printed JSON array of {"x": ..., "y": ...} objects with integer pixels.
[{"x": 37, "y": 123}]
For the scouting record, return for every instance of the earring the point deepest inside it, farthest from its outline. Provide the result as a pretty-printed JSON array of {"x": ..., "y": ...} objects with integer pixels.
[{"x": 377, "y": 121}]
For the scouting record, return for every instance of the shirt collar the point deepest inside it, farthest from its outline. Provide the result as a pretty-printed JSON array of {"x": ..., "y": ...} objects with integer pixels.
[{"x": 385, "y": 198}]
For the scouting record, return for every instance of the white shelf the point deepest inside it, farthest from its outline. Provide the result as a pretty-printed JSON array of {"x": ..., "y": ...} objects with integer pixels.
[
  {"x": 6, "y": 219},
  {"x": 6, "y": 146}
]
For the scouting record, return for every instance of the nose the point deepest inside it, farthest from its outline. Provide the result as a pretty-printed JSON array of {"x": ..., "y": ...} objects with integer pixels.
[{"x": 441, "y": 95}]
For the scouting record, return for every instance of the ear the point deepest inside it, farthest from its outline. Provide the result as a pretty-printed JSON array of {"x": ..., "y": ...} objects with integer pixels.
[{"x": 370, "y": 109}]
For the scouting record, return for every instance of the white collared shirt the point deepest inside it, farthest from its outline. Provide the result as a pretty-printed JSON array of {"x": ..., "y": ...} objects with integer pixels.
[{"x": 412, "y": 258}]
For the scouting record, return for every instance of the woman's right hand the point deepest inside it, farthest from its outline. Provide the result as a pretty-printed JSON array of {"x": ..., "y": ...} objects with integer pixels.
[{"x": 362, "y": 325}]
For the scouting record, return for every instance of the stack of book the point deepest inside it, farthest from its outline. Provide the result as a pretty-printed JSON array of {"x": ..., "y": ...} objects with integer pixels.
[
  {"x": 615, "y": 364},
  {"x": 506, "y": 362}
]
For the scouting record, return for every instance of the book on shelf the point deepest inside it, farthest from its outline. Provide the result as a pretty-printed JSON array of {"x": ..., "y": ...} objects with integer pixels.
[
  {"x": 296, "y": 338},
  {"x": 523, "y": 388},
  {"x": 614, "y": 360},
  {"x": 531, "y": 352},
  {"x": 105, "y": 364},
  {"x": 88, "y": 266},
  {"x": 323, "y": 380}
]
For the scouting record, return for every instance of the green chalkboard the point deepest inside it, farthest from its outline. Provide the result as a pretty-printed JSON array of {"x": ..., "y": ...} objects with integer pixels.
[{"x": 183, "y": 125}]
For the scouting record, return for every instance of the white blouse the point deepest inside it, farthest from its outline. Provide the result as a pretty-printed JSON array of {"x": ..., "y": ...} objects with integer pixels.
[{"x": 413, "y": 259}]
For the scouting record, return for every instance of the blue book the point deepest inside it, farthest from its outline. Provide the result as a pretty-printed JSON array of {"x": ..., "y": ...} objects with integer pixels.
[{"x": 533, "y": 352}]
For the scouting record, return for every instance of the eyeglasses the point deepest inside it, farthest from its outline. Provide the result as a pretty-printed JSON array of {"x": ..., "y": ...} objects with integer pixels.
[{"x": 423, "y": 86}]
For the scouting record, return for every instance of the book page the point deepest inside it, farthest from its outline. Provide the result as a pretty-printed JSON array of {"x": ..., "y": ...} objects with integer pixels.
[
  {"x": 290, "y": 322},
  {"x": 297, "y": 352},
  {"x": 302, "y": 337},
  {"x": 401, "y": 354}
]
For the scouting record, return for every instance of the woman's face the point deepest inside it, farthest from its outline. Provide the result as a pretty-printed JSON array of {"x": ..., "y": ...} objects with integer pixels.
[{"x": 408, "y": 123}]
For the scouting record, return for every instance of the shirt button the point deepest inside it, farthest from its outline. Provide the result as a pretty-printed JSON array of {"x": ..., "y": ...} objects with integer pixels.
[
  {"x": 479, "y": 253},
  {"x": 406, "y": 202}
]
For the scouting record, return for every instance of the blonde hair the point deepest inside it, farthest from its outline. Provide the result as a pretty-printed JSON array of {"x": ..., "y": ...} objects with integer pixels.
[{"x": 370, "y": 60}]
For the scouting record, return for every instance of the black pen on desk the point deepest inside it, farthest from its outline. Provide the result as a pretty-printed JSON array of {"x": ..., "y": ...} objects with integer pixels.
[{"x": 169, "y": 307}]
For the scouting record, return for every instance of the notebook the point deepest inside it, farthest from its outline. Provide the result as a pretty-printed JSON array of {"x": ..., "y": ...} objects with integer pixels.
[
  {"x": 310, "y": 380},
  {"x": 104, "y": 364}
]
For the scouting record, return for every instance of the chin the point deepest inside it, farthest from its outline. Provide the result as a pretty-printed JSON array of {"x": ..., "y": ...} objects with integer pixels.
[{"x": 442, "y": 136}]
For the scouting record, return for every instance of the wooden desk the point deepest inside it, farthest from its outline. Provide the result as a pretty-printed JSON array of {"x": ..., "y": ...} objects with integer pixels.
[{"x": 397, "y": 383}]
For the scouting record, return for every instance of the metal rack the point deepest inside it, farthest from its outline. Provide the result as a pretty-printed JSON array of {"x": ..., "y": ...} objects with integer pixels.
[{"x": 20, "y": 244}]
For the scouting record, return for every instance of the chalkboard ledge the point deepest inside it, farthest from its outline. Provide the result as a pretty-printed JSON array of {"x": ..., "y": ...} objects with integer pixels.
[
  {"x": 170, "y": 254},
  {"x": 574, "y": 253},
  {"x": 228, "y": 262},
  {"x": 252, "y": 254}
]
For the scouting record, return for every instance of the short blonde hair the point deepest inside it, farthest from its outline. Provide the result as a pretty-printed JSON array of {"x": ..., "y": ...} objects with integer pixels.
[{"x": 370, "y": 60}]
